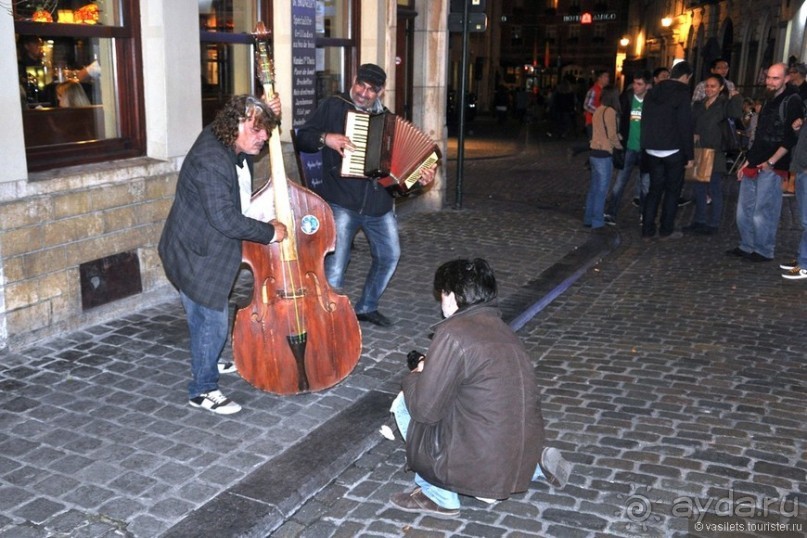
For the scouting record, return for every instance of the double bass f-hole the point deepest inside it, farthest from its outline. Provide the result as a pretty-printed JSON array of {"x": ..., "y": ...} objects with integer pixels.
[{"x": 297, "y": 334}]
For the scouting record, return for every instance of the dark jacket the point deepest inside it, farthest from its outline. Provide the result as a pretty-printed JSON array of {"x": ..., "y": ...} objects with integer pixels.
[
  {"x": 709, "y": 124},
  {"x": 774, "y": 130},
  {"x": 363, "y": 195},
  {"x": 476, "y": 424},
  {"x": 667, "y": 118},
  {"x": 200, "y": 245}
]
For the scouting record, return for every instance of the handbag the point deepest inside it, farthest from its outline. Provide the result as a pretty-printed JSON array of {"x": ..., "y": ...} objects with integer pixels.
[
  {"x": 701, "y": 170},
  {"x": 730, "y": 137},
  {"x": 618, "y": 158},
  {"x": 617, "y": 154}
]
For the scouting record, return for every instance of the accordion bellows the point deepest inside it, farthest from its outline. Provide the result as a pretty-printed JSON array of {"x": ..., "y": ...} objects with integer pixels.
[{"x": 387, "y": 147}]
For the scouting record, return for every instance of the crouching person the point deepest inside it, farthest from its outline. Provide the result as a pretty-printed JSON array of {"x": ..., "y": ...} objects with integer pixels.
[{"x": 470, "y": 411}]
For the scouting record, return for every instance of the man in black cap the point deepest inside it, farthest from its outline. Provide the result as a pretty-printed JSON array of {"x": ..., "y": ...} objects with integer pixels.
[{"x": 356, "y": 202}]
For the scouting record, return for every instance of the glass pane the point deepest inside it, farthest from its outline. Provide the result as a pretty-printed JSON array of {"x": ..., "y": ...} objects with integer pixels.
[
  {"x": 226, "y": 71},
  {"x": 67, "y": 89},
  {"x": 235, "y": 16},
  {"x": 106, "y": 12},
  {"x": 333, "y": 19},
  {"x": 330, "y": 72}
]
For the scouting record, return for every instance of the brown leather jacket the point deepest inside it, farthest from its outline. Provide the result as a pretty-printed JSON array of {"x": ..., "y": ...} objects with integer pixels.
[{"x": 476, "y": 426}]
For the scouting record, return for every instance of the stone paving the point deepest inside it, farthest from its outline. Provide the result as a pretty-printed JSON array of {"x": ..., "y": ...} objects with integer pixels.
[{"x": 672, "y": 377}]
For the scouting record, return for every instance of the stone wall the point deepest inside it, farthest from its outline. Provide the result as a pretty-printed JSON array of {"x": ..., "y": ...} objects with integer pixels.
[{"x": 50, "y": 225}]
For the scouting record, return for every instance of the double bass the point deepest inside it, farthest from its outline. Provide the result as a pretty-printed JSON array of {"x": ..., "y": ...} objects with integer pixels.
[{"x": 296, "y": 334}]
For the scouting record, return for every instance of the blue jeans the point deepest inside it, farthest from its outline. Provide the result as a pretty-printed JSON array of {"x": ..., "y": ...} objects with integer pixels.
[
  {"x": 666, "y": 180},
  {"x": 758, "y": 209},
  {"x": 801, "y": 200},
  {"x": 601, "y": 168},
  {"x": 443, "y": 497},
  {"x": 385, "y": 249},
  {"x": 714, "y": 189},
  {"x": 632, "y": 159},
  {"x": 208, "y": 329}
]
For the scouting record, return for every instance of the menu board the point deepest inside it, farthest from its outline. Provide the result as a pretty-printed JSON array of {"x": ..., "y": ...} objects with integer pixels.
[{"x": 303, "y": 51}]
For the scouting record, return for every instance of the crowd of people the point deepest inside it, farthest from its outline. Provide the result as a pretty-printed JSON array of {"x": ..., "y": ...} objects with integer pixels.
[{"x": 660, "y": 126}]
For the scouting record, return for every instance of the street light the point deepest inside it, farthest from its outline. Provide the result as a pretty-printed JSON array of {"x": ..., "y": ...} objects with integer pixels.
[
  {"x": 666, "y": 22},
  {"x": 624, "y": 42}
]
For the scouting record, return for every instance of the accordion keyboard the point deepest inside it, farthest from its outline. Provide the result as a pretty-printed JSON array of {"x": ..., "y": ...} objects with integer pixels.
[{"x": 356, "y": 129}]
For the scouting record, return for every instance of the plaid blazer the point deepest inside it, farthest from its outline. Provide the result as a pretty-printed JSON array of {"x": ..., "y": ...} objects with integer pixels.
[{"x": 200, "y": 245}]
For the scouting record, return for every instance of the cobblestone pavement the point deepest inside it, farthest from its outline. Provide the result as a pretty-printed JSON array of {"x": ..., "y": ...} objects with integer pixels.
[{"x": 672, "y": 377}]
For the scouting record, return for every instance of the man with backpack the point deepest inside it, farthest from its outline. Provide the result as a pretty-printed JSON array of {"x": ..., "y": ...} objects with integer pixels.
[{"x": 766, "y": 166}]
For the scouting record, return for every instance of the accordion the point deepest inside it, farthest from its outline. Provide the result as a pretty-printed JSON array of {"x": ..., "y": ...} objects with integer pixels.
[{"x": 387, "y": 147}]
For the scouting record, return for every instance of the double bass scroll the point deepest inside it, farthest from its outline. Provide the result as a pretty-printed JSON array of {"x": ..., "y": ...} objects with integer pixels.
[{"x": 296, "y": 334}]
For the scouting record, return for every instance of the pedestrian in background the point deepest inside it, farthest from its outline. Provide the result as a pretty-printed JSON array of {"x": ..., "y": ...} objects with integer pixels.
[
  {"x": 590, "y": 104},
  {"x": 796, "y": 269},
  {"x": 766, "y": 165},
  {"x": 630, "y": 128},
  {"x": 709, "y": 116},
  {"x": 604, "y": 140},
  {"x": 470, "y": 412},
  {"x": 668, "y": 143}
]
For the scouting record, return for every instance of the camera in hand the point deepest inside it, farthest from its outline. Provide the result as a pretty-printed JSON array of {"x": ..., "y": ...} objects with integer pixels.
[{"x": 413, "y": 358}]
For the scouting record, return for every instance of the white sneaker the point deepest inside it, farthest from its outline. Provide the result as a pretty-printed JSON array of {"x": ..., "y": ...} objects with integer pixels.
[
  {"x": 215, "y": 401},
  {"x": 797, "y": 273},
  {"x": 555, "y": 467},
  {"x": 226, "y": 367}
]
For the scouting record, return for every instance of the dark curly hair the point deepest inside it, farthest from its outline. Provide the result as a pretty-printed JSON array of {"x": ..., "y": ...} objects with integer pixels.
[
  {"x": 472, "y": 281},
  {"x": 242, "y": 108}
]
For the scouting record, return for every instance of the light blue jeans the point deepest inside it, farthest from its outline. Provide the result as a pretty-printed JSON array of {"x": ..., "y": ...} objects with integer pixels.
[
  {"x": 443, "y": 497},
  {"x": 801, "y": 200},
  {"x": 758, "y": 209},
  {"x": 385, "y": 249},
  {"x": 601, "y": 168},
  {"x": 208, "y": 329},
  {"x": 632, "y": 160}
]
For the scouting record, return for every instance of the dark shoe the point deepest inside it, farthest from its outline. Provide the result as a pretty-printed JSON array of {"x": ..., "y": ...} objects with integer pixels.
[
  {"x": 375, "y": 317},
  {"x": 672, "y": 236},
  {"x": 556, "y": 469},
  {"x": 226, "y": 368},
  {"x": 737, "y": 251},
  {"x": 757, "y": 257},
  {"x": 707, "y": 230},
  {"x": 790, "y": 265},
  {"x": 694, "y": 228},
  {"x": 684, "y": 202},
  {"x": 636, "y": 203},
  {"x": 416, "y": 501},
  {"x": 609, "y": 220}
]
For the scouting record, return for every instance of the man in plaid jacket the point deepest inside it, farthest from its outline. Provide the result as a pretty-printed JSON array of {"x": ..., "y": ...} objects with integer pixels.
[{"x": 200, "y": 245}]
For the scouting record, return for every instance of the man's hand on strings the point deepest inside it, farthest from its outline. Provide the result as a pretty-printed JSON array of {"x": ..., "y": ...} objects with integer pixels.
[
  {"x": 339, "y": 143},
  {"x": 427, "y": 175}
]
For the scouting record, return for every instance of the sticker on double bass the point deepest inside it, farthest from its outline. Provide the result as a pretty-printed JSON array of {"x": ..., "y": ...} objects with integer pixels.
[{"x": 309, "y": 224}]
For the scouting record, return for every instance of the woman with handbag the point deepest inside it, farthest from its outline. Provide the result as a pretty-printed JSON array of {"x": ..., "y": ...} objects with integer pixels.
[
  {"x": 604, "y": 140},
  {"x": 711, "y": 117}
]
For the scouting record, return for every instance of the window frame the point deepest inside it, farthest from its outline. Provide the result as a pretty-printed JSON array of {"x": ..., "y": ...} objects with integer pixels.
[{"x": 129, "y": 86}]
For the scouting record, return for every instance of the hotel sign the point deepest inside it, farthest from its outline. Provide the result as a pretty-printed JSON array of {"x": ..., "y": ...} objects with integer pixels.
[{"x": 588, "y": 18}]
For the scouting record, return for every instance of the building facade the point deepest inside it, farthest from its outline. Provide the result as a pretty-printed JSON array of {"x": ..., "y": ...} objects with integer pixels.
[
  {"x": 750, "y": 34},
  {"x": 84, "y": 190}
]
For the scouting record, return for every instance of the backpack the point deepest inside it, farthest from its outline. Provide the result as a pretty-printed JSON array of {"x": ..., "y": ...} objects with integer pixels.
[{"x": 776, "y": 132}]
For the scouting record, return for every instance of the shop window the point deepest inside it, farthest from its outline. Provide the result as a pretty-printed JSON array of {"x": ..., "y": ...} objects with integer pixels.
[{"x": 79, "y": 71}]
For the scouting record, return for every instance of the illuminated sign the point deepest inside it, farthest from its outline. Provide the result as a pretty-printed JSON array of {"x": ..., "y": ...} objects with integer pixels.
[{"x": 588, "y": 18}]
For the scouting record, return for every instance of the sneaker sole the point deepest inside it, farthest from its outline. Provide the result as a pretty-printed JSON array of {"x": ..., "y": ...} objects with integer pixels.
[
  {"x": 555, "y": 467},
  {"x": 219, "y": 410}
]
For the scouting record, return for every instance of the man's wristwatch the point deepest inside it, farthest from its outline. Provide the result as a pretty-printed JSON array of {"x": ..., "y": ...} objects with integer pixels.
[
  {"x": 770, "y": 163},
  {"x": 322, "y": 140}
]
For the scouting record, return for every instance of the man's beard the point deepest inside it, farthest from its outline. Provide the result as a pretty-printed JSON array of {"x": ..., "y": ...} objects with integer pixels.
[{"x": 769, "y": 93}]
